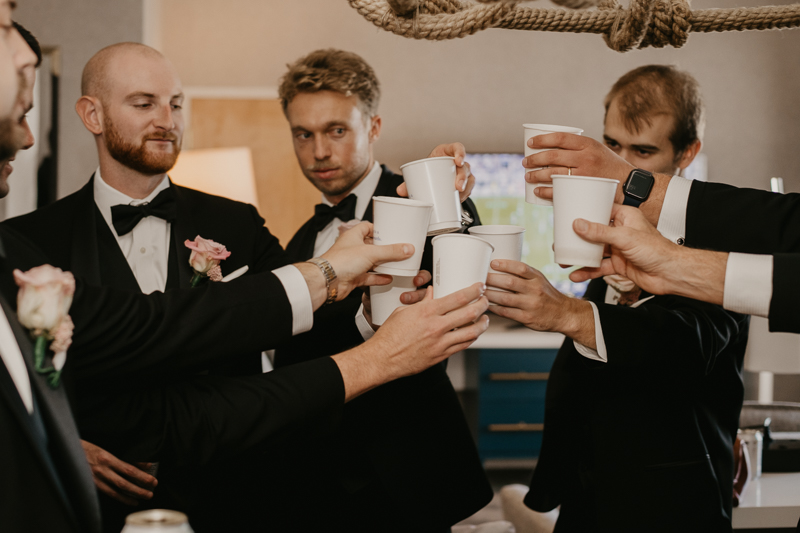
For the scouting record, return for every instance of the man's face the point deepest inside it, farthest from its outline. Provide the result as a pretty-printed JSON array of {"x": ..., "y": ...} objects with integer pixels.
[
  {"x": 142, "y": 118},
  {"x": 24, "y": 105},
  {"x": 332, "y": 140},
  {"x": 649, "y": 149}
]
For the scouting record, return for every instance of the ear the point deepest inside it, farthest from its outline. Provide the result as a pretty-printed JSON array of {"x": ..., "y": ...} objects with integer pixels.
[
  {"x": 689, "y": 154},
  {"x": 375, "y": 128},
  {"x": 90, "y": 112}
]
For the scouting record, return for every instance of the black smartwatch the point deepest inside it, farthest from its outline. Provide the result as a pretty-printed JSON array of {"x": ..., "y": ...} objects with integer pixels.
[{"x": 637, "y": 187}]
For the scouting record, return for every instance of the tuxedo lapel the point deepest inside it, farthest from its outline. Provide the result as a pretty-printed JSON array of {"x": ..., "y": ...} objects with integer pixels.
[
  {"x": 85, "y": 258},
  {"x": 179, "y": 271},
  {"x": 66, "y": 465}
]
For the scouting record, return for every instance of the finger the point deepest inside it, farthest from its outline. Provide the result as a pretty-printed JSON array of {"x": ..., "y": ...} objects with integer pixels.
[
  {"x": 108, "y": 491},
  {"x": 357, "y": 234},
  {"x": 422, "y": 278},
  {"x": 466, "y": 334},
  {"x": 458, "y": 299},
  {"x": 598, "y": 233},
  {"x": 373, "y": 279},
  {"x": 402, "y": 190},
  {"x": 557, "y": 161},
  {"x": 412, "y": 297},
  {"x": 468, "y": 189},
  {"x": 143, "y": 479},
  {"x": 517, "y": 268},
  {"x": 126, "y": 487},
  {"x": 606, "y": 268},
  {"x": 565, "y": 141},
  {"x": 466, "y": 315},
  {"x": 499, "y": 298},
  {"x": 384, "y": 253}
]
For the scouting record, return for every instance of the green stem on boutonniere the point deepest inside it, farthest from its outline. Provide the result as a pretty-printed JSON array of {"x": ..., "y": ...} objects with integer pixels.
[
  {"x": 196, "y": 279},
  {"x": 39, "y": 350}
]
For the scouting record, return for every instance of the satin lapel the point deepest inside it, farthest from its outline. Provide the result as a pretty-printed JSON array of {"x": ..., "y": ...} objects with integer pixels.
[
  {"x": 183, "y": 228},
  {"x": 63, "y": 435},
  {"x": 85, "y": 256}
]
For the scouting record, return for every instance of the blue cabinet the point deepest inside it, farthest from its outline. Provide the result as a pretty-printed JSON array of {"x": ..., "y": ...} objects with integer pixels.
[{"x": 511, "y": 391}]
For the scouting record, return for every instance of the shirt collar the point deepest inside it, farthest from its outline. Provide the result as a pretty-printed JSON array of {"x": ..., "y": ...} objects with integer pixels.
[
  {"x": 364, "y": 190},
  {"x": 106, "y": 196}
]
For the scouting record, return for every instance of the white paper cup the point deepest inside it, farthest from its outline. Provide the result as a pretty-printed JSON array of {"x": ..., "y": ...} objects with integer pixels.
[
  {"x": 507, "y": 242},
  {"x": 532, "y": 130},
  {"x": 400, "y": 220},
  {"x": 580, "y": 197},
  {"x": 433, "y": 181},
  {"x": 386, "y": 298},
  {"x": 458, "y": 262}
]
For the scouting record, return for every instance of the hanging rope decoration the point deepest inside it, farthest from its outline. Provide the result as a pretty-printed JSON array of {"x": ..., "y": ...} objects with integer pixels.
[{"x": 644, "y": 23}]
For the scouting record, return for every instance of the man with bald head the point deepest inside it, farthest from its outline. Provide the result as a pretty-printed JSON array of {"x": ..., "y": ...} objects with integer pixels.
[{"x": 131, "y": 102}]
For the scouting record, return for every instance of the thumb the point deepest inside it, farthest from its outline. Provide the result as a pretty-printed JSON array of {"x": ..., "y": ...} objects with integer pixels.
[
  {"x": 402, "y": 190},
  {"x": 591, "y": 231},
  {"x": 379, "y": 254}
]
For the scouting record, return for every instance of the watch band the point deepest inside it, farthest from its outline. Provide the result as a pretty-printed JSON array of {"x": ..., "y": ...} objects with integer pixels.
[
  {"x": 630, "y": 200},
  {"x": 330, "y": 276}
]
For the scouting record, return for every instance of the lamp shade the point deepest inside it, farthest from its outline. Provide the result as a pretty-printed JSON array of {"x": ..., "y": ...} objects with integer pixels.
[
  {"x": 771, "y": 352},
  {"x": 224, "y": 172}
]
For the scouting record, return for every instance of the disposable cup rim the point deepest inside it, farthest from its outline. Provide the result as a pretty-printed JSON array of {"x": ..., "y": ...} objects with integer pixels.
[
  {"x": 553, "y": 128},
  {"x": 426, "y": 160},
  {"x": 479, "y": 228},
  {"x": 462, "y": 236},
  {"x": 401, "y": 201},
  {"x": 590, "y": 178}
]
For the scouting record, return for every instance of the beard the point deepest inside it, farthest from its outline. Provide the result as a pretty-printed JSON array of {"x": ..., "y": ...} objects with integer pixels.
[
  {"x": 12, "y": 138},
  {"x": 136, "y": 156}
]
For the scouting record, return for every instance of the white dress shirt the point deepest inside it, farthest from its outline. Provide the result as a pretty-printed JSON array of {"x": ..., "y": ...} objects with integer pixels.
[
  {"x": 327, "y": 237},
  {"x": 748, "y": 277},
  {"x": 15, "y": 364},
  {"x": 146, "y": 248}
]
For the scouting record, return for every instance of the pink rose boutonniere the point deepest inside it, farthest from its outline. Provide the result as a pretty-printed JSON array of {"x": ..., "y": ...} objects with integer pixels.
[
  {"x": 205, "y": 258},
  {"x": 43, "y": 301}
]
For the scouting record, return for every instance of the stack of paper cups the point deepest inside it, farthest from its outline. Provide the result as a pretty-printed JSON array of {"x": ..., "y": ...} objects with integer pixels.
[
  {"x": 532, "y": 130},
  {"x": 400, "y": 220},
  {"x": 433, "y": 181},
  {"x": 386, "y": 298},
  {"x": 507, "y": 242},
  {"x": 458, "y": 262},
  {"x": 580, "y": 197}
]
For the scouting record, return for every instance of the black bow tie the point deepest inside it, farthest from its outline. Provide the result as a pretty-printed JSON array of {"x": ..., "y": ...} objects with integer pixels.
[
  {"x": 125, "y": 217},
  {"x": 344, "y": 211}
]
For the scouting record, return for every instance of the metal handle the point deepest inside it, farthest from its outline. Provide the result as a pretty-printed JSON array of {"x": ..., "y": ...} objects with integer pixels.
[
  {"x": 519, "y": 426},
  {"x": 519, "y": 376}
]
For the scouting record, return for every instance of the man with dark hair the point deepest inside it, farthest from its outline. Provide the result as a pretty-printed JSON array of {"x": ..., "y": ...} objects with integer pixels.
[
  {"x": 405, "y": 458},
  {"x": 654, "y": 118},
  {"x": 671, "y": 364}
]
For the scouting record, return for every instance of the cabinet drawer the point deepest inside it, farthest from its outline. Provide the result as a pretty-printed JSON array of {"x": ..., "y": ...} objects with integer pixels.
[{"x": 510, "y": 412}]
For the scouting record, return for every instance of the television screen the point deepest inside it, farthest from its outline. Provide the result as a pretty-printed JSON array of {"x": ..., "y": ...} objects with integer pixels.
[{"x": 499, "y": 195}]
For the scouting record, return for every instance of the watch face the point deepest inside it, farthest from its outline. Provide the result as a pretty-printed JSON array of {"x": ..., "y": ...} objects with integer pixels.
[{"x": 639, "y": 185}]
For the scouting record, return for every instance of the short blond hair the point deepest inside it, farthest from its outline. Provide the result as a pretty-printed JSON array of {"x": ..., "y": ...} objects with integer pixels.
[{"x": 332, "y": 70}]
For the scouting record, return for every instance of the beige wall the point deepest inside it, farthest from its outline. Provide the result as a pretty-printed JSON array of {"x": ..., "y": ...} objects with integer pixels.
[
  {"x": 480, "y": 89},
  {"x": 79, "y": 29}
]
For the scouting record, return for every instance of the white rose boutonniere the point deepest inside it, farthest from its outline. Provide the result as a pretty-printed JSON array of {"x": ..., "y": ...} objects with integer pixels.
[
  {"x": 205, "y": 258},
  {"x": 43, "y": 301}
]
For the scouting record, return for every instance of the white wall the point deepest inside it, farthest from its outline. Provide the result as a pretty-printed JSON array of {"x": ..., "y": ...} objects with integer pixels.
[{"x": 79, "y": 28}]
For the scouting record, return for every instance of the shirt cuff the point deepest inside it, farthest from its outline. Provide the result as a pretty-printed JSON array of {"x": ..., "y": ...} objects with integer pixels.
[
  {"x": 748, "y": 284},
  {"x": 600, "y": 353},
  {"x": 363, "y": 324},
  {"x": 299, "y": 298},
  {"x": 672, "y": 220}
]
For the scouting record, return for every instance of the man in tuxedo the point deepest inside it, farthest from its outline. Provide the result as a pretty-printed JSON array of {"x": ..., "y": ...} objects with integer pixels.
[
  {"x": 715, "y": 256},
  {"x": 404, "y": 458},
  {"x": 606, "y": 473},
  {"x": 85, "y": 257}
]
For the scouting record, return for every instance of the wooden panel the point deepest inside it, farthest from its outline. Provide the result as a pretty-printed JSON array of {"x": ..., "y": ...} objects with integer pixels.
[{"x": 286, "y": 198}]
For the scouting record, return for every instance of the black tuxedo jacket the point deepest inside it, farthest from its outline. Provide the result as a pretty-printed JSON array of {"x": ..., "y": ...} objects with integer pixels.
[
  {"x": 644, "y": 442},
  {"x": 124, "y": 333},
  {"x": 725, "y": 218},
  {"x": 409, "y": 437}
]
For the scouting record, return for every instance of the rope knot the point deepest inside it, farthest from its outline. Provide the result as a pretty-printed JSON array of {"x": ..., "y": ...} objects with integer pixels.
[{"x": 646, "y": 23}]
